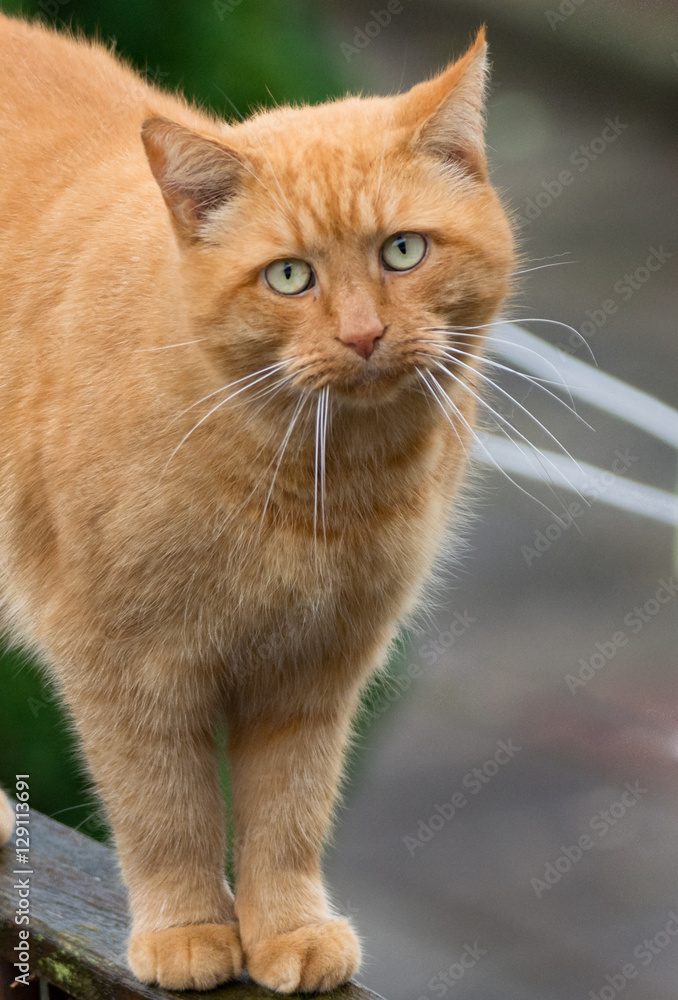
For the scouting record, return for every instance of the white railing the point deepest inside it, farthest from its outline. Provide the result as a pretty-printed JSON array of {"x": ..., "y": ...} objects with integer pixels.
[{"x": 529, "y": 353}]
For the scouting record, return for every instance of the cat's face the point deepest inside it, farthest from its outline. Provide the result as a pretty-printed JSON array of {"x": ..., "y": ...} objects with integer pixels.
[{"x": 334, "y": 238}]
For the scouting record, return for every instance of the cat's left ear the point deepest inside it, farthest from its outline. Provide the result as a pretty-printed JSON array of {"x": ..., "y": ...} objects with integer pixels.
[
  {"x": 195, "y": 174},
  {"x": 447, "y": 113}
]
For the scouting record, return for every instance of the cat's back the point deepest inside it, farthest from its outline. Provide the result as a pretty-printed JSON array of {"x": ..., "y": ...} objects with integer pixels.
[
  {"x": 66, "y": 101},
  {"x": 55, "y": 90},
  {"x": 76, "y": 192},
  {"x": 74, "y": 172}
]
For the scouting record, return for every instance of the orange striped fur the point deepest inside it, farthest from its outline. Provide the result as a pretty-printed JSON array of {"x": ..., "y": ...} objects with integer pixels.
[{"x": 168, "y": 560}]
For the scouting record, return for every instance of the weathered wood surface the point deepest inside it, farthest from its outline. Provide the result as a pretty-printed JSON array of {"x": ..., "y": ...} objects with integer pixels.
[{"x": 79, "y": 923}]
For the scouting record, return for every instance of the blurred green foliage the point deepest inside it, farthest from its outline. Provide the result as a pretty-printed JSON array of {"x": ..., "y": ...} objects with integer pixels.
[
  {"x": 35, "y": 739},
  {"x": 257, "y": 52},
  {"x": 254, "y": 51}
]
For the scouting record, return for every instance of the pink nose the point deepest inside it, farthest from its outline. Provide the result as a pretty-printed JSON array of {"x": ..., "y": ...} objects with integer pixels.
[{"x": 363, "y": 340}]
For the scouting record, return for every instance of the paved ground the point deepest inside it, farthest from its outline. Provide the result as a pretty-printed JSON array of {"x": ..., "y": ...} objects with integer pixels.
[{"x": 598, "y": 760}]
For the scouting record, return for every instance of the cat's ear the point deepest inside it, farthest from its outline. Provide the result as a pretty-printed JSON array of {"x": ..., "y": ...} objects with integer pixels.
[
  {"x": 447, "y": 112},
  {"x": 195, "y": 174}
]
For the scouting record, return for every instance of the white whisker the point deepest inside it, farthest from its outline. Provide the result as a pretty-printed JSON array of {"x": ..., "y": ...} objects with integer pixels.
[
  {"x": 281, "y": 452},
  {"x": 523, "y": 319},
  {"x": 274, "y": 389},
  {"x": 453, "y": 352},
  {"x": 221, "y": 403},
  {"x": 319, "y": 461},
  {"x": 435, "y": 388},
  {"x": 480, "y": 444},
  {"x": 323, "y": 451},
  {"x": 556, "y": 322},
  {"x": 512, "y": 399},
  {"x": 315, "y": 476},
  {"x": 449, "y": 346},
  {"x": 556, "y": 263},
  {"x": 535, "y": 260},
  {"x": 491, "y": 341},
  {"x": 271, "y": 368},
  {"x": 504, "y": 423},
  {"x": 166, "y": 347}
]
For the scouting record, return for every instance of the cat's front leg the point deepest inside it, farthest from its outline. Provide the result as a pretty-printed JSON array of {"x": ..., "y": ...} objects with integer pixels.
[
  {"x": 155, "y": 765},
  {"x": 285, "y": 775}
]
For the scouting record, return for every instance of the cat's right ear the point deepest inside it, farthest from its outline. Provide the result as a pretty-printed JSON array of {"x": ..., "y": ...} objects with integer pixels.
[
  {"x": 446, "y": 113},
  {"x": 195, "y": 174}
]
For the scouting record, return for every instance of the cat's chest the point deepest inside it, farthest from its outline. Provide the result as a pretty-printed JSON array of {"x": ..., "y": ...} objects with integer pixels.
[
  {"x": 362, "y": 531},
  {"x": 311, "y": 601},
  {"x": 214, "y": 564},
  {"x": 314, "y": 579}
]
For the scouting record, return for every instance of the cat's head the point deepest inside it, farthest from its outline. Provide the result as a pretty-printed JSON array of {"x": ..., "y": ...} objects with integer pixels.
[{"x": 335, "y": 237}]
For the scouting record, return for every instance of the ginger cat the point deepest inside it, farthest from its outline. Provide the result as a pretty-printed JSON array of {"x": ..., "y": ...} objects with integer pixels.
[{"x": 233, "y": 432}]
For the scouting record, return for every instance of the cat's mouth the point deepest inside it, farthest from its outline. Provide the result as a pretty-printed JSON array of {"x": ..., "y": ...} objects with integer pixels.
[
  {"x": 370, "y": 380},
  {"x": 369, "y": 374},
  {"x": 374, "y": 380}
]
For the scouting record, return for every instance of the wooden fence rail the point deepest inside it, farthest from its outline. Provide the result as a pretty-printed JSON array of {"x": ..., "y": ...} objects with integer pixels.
[{"x": 78, "y": 926}]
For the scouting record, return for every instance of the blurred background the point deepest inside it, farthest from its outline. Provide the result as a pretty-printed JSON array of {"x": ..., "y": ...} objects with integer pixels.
[{"x": 510, "y": 829}]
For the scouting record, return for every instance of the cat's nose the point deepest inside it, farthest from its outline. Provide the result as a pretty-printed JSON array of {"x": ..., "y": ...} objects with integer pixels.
[{"x": 363, "y": 337}]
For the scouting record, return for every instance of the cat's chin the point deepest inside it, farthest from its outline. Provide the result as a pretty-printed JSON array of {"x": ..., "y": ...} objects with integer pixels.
[{"x": 373, "y": 386}]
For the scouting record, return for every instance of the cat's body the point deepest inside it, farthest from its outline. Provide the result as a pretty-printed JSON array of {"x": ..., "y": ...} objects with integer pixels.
[{"x": 176, "y": 566}]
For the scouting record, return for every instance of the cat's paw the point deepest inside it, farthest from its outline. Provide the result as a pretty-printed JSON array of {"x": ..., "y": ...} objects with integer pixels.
[
  {"x": 196, "y": 957},
  {"x": 315, "y": 957}
]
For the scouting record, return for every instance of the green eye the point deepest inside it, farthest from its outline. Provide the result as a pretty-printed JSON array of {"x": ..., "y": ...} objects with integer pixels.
[
  {"x": 403, "y": 251},
  {"x": 289, "y": 277}
]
